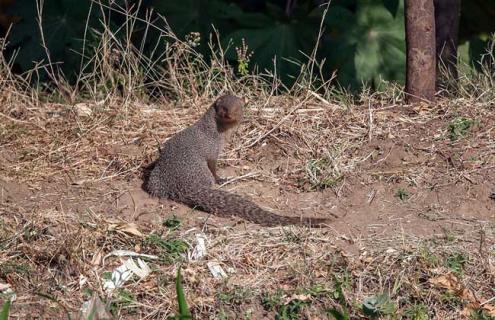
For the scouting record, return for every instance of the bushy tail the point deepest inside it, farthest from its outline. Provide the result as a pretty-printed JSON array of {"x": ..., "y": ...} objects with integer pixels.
[{"x": 223, "y": 203}]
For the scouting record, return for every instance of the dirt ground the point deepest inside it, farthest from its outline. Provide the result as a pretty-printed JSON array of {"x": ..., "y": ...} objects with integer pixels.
[{"x": 402, "y": 181}]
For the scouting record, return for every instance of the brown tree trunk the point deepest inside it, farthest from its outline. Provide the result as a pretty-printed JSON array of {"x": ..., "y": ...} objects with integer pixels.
[
  {"x": 420, "y": 50},
  {"x": 447, "y": 16}
]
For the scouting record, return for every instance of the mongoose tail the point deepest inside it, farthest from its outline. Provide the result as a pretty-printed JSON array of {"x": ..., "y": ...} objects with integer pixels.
[{"x": 223, "y": 203}]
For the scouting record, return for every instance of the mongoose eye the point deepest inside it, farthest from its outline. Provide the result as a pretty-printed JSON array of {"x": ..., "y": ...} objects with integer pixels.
[{"x": 221, "y": 114}]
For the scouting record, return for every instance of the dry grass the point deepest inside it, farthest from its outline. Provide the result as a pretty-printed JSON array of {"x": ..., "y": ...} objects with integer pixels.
[{"x": 104, "y": 130}]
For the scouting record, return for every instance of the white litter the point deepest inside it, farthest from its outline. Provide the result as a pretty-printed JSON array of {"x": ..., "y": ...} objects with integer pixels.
[
  {"x": 7, "y": 291},
  {"x": 124, "y": 272},
  {"x": 216, "y": 270},
  {"x": 82, "y": 280},
  {"x": 127, "y": 253},
  {"x": 4, "y": 286},
  {"x": 199, "y": 251},
  {"x": 83, "y": 110},
  {"x": 142, "y": 271}
]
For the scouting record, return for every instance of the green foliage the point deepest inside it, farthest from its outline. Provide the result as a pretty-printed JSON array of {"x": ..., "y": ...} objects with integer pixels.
[
  {"x": 339, "y": 284},
  {"x": 181, "y": 298},
  {"x": 4, "y": 313},
  {"x": 402, "y": 194},
  {"x": 316, "y": 291},
  {"x": 270, "y": 301},
  {"x": 187, "y": 16},
  {"x": 450, "y": 299},
  {"x": 123, "y": 299},
  {"x": 429, "y": 258},
  {"x": 291, "y": 310},
  {"x": 456, "y": 263},
  {"x": 417, "y": 312},
  {"x": 243, "y": 59},
  {"x": 362, "y": 39},
  {"x": 392, "y": 6},
  {"x": 172, "y": 222},
  {"x": 63, "y": 22},
  {"x": 184, "y": 312},
  {"x": 475, "y": 315},
  {"x": 339, "y": 314},
  {"x": 381, "y": 47},
  {"x": 235, "y": 296},
  {"x": 459, "y": 127},
  {"x": 171, "y": 248},
  {"x": 378, "y": 306},
  {"x": 14, "y": 267}
]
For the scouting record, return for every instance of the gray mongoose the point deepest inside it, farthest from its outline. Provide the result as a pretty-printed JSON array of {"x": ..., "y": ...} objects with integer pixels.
[{"x": 186, "y": 168}]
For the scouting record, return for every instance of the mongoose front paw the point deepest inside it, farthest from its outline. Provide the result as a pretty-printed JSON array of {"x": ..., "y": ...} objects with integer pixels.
[{"x": 220, "y": 180}]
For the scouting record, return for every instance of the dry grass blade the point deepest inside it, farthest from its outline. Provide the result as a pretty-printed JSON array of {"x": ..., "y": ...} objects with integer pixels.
[{"x": 409, "y": 189}]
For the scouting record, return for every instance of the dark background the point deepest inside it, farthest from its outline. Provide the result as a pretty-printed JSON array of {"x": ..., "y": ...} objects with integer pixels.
[{"x": 362, "y": 39}]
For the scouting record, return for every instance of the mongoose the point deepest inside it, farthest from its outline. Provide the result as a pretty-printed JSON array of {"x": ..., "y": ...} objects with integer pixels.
[{"x": 186, "y": 168}]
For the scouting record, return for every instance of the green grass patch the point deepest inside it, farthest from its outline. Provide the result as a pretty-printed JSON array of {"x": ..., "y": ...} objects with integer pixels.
[{"x": 459, "y": 128}]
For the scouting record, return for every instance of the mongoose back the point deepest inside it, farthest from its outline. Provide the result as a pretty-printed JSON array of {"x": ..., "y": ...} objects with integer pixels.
[{"x": 186, "y": 168}]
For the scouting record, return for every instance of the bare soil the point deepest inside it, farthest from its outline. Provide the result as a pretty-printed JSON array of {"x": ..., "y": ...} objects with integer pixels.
[{"x": 400, "y": 181}]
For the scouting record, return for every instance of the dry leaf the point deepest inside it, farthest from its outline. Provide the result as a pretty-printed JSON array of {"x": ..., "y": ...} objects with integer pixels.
[
  {"x": 129, "y": 228},
  {"x": 300, "y": 297},
  {"x": 96, "y": 261},
  {"x": 490, "y": 309},
  {"x": 448, "y": 281},
  {"x": 451, "y": 283}
]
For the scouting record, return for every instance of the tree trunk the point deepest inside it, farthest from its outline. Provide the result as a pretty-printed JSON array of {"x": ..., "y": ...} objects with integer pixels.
[
  {"x": 447, "y": 15},
  {"x": 420, "y": 50}
]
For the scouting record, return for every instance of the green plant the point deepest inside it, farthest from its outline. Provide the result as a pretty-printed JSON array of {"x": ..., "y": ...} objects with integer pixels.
[
  {"x": 270, "y": 301},
  {"x": 450, "y": 299},
  {"x": 402, "y": 194},
  {"x": 291, "y": 310},
  {"x": 14, "y": 267},
  {"x": 480, "y": 315},
  {"x": 172, "y": 248},
  {"x": 221, "y": 315},
  {"x": 316, "y": 291},
  {"x": 339, "y": 284},
  {"x": 378, "y": 306},
  {"x": 337, "y": 314},
  {"x": 324, "y": 172},
  {"x": 184, "y": 312},
  {"x": 236, "y": 295},
  {"x": 459, "y": 127},
  {"x": 123, "y": 299},
  {"x": 429, "y": 258},
  {"x": 243, "y": 58},
  {"x": 416, "y": 312},
  {"x": 363, "y": 40},
  {"x": 172, "y": 222},
  {"x": 4, "y": 313},
  {"x": 456, "y": 262},
  {"x": 373, "y": 36},
  {"x": 63, "y": 23}
]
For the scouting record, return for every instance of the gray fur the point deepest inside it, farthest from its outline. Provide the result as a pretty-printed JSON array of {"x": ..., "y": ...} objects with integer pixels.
[{"x": 183, "y": 175}]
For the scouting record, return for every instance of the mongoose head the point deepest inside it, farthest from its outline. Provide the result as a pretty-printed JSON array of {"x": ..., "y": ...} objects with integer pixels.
[{"x": 228, "y": 110}]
